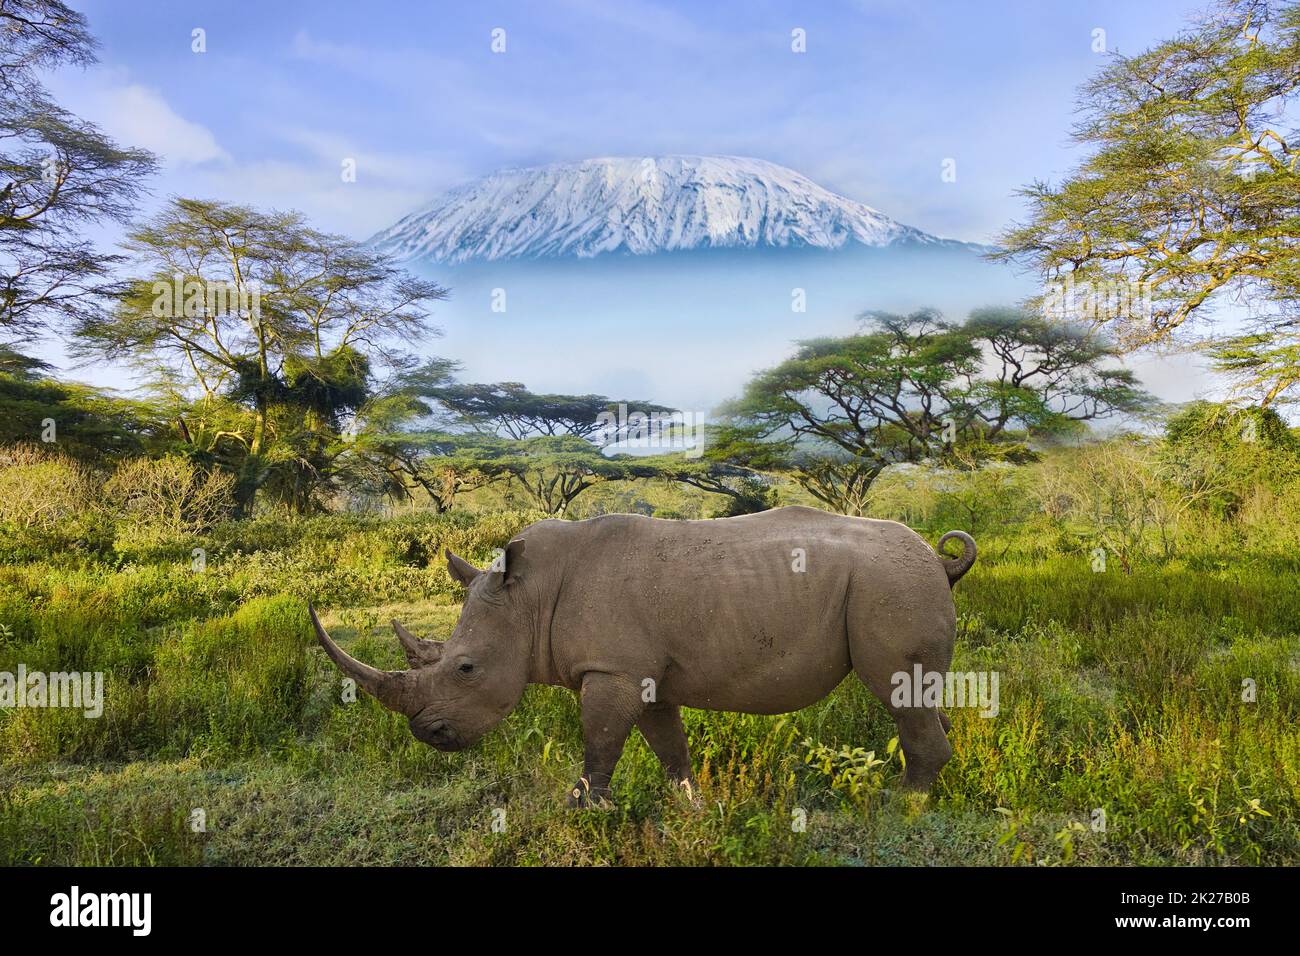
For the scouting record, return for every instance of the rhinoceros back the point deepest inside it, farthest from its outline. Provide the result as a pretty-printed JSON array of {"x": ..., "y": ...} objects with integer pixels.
[{"x": 749, "y": 613}]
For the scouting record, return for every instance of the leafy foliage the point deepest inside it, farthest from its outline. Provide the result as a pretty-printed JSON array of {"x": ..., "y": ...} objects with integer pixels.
[
  {"x": 58, "y": 175},
  {"x": 1190, "y": 194},
  {"x": 912, "y": 388},
  {"x": 266, "y": 314}
]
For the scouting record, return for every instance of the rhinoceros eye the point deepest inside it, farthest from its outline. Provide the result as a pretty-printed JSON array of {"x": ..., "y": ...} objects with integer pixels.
[{"x": 467, "y": 668}]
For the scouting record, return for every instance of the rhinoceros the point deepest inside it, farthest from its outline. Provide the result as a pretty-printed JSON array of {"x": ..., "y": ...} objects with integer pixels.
[{"x": 763, "y": 613}]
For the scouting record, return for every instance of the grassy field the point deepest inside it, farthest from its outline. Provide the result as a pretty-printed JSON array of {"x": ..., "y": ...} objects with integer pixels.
[{"x": 1119, "y": 692}]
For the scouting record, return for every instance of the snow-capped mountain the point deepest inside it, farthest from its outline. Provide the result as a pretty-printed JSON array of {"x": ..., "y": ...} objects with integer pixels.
[{"x": 638, "y": 206}]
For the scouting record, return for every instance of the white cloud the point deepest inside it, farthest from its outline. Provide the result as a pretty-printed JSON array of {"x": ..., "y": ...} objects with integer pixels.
[
  {"x": 138, "y": 116},
  {"x": 135, "y": 115}
]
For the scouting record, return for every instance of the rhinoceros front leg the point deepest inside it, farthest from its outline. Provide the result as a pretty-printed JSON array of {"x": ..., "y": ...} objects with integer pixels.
[
  {"x": 661, "y": 725},
  {"x": 610, "y": 706}
]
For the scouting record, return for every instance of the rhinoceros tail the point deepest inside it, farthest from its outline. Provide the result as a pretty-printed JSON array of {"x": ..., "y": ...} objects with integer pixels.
[{"x": 956, "y": 567}]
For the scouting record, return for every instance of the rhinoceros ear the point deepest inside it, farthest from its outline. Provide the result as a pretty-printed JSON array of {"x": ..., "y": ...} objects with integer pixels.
[
  {"x": 505, "y": 569},
  {"x": 419, "y": 652},
  {"x": 461, "y": 570}
]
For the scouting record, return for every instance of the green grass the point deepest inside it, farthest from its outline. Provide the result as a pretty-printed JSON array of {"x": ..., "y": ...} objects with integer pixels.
[{"x": 1120, "y": 693}]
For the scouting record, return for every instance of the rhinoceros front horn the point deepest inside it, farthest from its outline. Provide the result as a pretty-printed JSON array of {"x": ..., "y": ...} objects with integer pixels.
[{"x": 388, "y": 687}]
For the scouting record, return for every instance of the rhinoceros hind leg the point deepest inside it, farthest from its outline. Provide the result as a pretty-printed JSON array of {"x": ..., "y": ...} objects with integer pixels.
[
  {"x": 924, "y": 744},
  {"x": 661, "y": 726},
  {"x": 922, "y": 730}
]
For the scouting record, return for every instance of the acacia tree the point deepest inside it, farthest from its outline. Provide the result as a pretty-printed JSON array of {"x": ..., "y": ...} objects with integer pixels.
[
  {"x": 444, "y": 465},
  {"x": 549, "y": 445},
  {"x": 510, "y": 410},
  {"x": 911, "y": 388},
  {"x": 58, "y": 174},
  {"x": 555, "y": 469},
  {"x": 1190, "y": 195},
  {"x": 401, "y": 441},
  {"x": 745, "y": 489},
  {"x": 1039, "y": 374},
  {"x": 744, "y": 454},
  {"x": 261, "y": 310}
]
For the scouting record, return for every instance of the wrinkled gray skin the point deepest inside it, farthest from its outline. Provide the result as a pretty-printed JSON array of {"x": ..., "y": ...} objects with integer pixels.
[{"x": 643, "y": 616}]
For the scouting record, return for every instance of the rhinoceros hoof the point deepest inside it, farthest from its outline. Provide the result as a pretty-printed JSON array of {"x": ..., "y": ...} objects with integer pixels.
[
  {"x": 582, "y": 796},
  {"x": 689, "y": 791}
]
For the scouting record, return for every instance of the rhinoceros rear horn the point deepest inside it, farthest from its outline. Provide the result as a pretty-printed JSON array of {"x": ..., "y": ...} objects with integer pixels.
[
  {"x": 419, "y": 652},
  {"x": 461, "y": 571},
  {"x": 388, "y": 687}
]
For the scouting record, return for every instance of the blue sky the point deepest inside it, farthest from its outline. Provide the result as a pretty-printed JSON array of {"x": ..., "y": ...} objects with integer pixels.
[{"x": 413, "y": 92}]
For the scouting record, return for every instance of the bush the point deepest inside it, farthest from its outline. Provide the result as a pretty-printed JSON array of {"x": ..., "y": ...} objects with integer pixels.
[
  {"x": 160, "y": 501},
  {"x": 49, "y": 502}
]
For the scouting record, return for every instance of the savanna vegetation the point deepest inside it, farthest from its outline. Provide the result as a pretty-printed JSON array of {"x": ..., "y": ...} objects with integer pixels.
[
  {"x": 1160, "y": 686},
  {"x": 1136, "y": 588}
]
